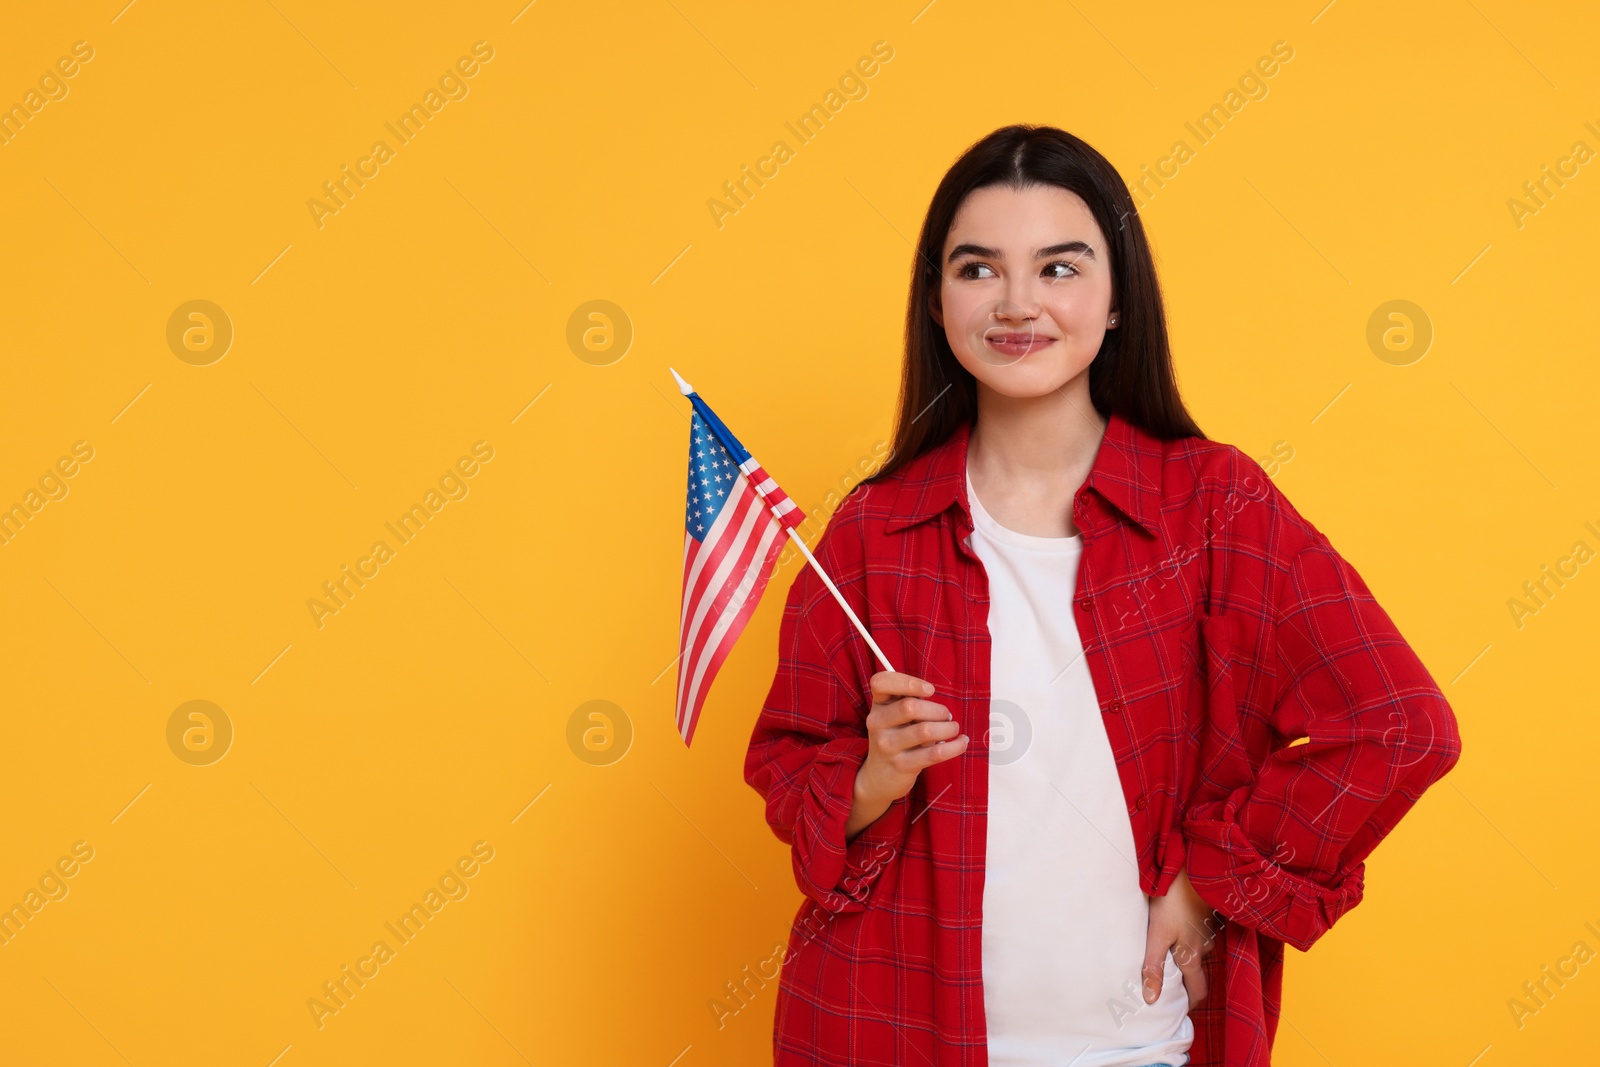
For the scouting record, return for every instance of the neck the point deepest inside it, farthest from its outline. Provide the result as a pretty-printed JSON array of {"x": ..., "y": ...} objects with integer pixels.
[{"x": 1048, "y": 440}]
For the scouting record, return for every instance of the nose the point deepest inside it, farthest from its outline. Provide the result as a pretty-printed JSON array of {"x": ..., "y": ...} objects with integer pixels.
[{"x": 1019, "y": 301}]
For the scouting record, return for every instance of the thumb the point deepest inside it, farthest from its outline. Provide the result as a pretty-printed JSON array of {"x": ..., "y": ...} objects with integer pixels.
[{"x": 1155, "y": 961}]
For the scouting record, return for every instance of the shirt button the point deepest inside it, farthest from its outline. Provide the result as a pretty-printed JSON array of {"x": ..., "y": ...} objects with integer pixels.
[
  {"x": 1138, "y": 805},
  {"x": 1115, "y": 707},
  {"x": 1086, "y": 604}
]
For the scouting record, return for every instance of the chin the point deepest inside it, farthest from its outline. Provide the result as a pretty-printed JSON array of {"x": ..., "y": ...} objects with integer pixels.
[{"x": 1023, "y": 380}]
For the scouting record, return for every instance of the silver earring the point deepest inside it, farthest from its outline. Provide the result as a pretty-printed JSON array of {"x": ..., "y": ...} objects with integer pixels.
[{"x": 1113, "y": 320}]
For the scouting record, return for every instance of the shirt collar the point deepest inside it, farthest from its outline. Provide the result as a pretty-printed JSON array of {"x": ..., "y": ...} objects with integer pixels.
[{"x": 1126, "y": 472}]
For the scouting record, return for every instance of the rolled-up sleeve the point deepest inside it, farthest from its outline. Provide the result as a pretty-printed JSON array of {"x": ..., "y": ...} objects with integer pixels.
[
  {"x": 1285, "y": 853},
  {"x": 811, "y": 738}
]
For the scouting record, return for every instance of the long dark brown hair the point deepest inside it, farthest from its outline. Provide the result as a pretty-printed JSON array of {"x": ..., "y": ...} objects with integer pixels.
[{"x": 1131, "y": 374}]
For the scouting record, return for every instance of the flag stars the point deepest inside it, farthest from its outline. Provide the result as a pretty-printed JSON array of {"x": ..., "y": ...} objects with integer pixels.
[{"x": 713, "y": 475}]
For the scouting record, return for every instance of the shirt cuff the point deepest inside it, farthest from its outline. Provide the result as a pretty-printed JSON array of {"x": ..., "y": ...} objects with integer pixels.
[
  {"x": 838, "y": 875},
  {"x": 1234, "y": 876}
]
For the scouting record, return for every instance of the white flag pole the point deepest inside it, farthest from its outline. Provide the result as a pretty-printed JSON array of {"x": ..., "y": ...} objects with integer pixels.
[
  {"x": 837, "y": 596},
  {"x": 685, "y": 388}
]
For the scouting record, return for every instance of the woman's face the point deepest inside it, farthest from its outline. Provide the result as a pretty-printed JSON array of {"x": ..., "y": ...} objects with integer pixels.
[{"x": 1025, "y": 288}]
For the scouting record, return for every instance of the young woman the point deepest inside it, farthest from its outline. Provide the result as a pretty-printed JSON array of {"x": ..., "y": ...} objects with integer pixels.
[{"x": 1146, "y": 723}]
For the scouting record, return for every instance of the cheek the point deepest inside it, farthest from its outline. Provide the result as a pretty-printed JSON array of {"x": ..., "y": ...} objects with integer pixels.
[
  {"x": 1082, "y": 326},
  {"x": 1080, "y": 311},
  {"x": 959, "y": 303},
  {"x": 959, "y": 306},
  {"x": 970, "y": 311}
]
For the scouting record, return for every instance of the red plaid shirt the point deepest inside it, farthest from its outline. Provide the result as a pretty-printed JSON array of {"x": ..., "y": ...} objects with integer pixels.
[{"x": 1270, "y": 725}]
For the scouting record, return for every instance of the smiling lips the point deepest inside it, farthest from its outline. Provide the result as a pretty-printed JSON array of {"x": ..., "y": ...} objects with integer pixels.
[{"x": 1017, "y": 344}]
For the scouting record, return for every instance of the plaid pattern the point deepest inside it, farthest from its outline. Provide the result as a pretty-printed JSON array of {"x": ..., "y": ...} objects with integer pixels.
[{"x": 1219, "y": 627}]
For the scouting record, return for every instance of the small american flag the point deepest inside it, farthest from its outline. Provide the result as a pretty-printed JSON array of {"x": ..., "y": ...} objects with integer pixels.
[{"x": 734, "y": 527}]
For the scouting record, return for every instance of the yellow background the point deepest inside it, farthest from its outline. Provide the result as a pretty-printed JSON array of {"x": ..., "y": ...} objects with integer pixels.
[{"x": 432, "y": 312}]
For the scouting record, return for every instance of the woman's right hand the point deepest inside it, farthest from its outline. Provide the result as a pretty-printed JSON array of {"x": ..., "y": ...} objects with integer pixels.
[{"x": 905, "y": 733}]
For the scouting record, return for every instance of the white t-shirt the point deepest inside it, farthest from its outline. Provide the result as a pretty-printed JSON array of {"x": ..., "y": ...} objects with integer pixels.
[{"x": 1064, "y": 919}]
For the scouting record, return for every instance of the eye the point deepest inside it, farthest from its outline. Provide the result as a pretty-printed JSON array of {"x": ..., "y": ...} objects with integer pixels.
[
  {"x": 967, "y": 269},
  {"x": 1060, "y": 263}
]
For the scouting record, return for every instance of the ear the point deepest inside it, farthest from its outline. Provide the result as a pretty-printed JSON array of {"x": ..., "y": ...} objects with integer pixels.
[
  {"x": 1113, "y": 319},
  {"x": 934, "y": 309}
]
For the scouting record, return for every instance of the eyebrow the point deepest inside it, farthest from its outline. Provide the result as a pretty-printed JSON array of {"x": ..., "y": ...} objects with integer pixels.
[{"x": 992, "y": 253}]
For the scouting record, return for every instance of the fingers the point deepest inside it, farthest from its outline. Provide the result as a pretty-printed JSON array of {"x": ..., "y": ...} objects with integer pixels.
[
  {"x": 1155, "y": 964},
  {"x": 1187, "y": 957},
  {"x": 940, "y": 751},
  {"x": 898, "y": 699},
  {"x": 896, "y": 741},
  {"x": 911, "y": 731},
  {"x": 921, "y": 732},
  {"x": 887, "y": 685},
  {"x": 907, "y": 710},
  {"x": 1194, "y": 973}
]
